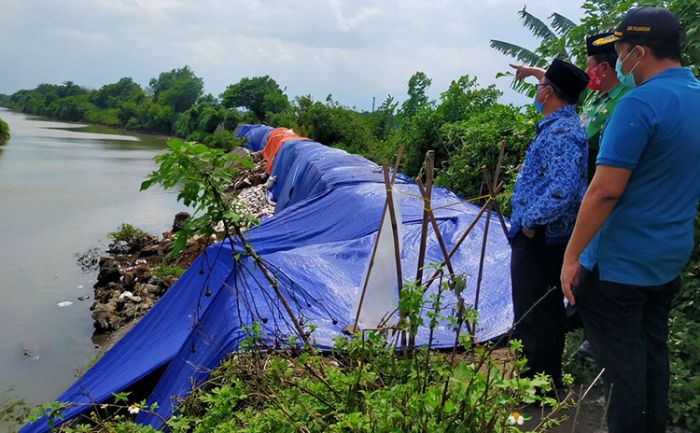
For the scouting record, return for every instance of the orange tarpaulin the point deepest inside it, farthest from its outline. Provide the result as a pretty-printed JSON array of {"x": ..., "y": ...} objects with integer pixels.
[{"x": 275, "y": 140}]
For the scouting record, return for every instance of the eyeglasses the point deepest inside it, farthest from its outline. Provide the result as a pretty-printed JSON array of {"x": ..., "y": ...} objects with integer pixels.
[{"x": 538, "y": 86}]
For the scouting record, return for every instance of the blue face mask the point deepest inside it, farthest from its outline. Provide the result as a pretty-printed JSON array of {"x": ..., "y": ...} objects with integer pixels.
[
  {"x": 538, "y": 105},
  {"x": 627, "y": 79}
]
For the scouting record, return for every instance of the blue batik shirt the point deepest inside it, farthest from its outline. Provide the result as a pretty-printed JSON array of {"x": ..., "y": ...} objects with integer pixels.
[{"x": 552, "y": 181}]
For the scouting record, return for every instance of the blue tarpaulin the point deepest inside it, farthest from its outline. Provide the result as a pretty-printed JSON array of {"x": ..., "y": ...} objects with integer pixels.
[
  {"x": 329, "y": 204},
  {"x": 255, "y": 135}
]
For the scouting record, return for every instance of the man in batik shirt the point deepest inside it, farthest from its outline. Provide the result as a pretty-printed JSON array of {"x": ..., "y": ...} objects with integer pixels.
[{"x": 545, "y": 201}]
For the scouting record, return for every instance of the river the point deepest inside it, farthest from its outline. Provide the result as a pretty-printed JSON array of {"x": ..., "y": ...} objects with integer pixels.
[{"x": 62, "y": 188}]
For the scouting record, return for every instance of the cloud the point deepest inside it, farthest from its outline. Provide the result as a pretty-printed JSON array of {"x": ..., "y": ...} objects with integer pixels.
[
  {"x": 347, "y": 23},
  {"x": 355, "y": 50}
]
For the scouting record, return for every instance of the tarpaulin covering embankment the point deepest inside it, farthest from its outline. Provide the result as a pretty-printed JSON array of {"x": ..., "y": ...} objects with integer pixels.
[{"x": 318, "y": 244}]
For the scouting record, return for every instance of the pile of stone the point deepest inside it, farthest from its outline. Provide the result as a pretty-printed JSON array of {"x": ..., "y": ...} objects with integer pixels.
[
  {"x": 126, "y": 287},
  {"x": 249, "y": 185}
]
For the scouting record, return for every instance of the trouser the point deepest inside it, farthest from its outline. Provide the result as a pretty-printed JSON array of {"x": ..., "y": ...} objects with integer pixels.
[
  {"x": 535, "y": 268},
  {"x": 627, "y": 327}
]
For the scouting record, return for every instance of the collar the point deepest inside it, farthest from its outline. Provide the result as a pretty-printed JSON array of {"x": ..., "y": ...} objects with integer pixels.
[
  {"x": 669, "y": 73},
  {"x": 615, "y": 92},
  {"x": 565, "y": 111}
]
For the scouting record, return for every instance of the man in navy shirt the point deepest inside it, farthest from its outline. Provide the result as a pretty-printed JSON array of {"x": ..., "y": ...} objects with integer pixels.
[
  {"x": 634, "y": 232},
  {"x": 545, "y": 201}
]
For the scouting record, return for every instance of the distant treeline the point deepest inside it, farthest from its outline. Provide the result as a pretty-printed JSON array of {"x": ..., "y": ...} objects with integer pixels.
[
  {"x": 464, "y": 126},
  {"x": 165, "y": 106}
]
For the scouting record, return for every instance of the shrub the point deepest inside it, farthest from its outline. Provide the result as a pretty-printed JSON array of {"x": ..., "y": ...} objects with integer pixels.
[
  {"x": 133, "y": 236},
  {"x": 4, "y": 131},
  {"x": 164, "y": 270}
]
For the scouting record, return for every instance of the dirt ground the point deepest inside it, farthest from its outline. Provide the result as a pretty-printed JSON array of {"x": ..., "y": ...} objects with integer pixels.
[{"x": 589, "y": 419}]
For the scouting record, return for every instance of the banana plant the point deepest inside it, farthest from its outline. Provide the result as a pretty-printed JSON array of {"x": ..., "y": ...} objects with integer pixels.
[{"x": 553, "y": 43}]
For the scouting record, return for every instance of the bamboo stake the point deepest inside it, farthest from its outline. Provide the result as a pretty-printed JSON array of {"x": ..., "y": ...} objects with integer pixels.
[
  {"x": 487, "y": 176},
  {"x": 397, "y": 251},
  {"x": 426, "y": 194},
  {"x": 466, "y": 233},
  {"x": 481, "y": 259},
  {"x": 497, "y": 171},
  {"x": 438, "y": 234}
]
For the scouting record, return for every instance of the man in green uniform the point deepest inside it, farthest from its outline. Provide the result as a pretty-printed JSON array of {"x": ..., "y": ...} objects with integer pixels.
[{"x": 607, "y": 91}]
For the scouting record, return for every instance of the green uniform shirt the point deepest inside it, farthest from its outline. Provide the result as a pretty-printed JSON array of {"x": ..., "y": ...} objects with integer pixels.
[{"x": 596, "y": 109}]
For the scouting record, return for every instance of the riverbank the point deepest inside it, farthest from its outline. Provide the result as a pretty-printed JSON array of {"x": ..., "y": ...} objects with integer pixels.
[{"x": 135, "y": 274}]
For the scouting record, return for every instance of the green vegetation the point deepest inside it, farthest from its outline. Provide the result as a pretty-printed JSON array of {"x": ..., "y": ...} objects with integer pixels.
[
  {"x": 260, "y": 95},
  {"x": 364, "y": 386},
  {"x": 164, "y": 270},
  {"x": 133, "y": 236},
  {"x": 4, "y": 131},
  {"x": 684, "y": 345},
  {"x": 13, "y": 410}
]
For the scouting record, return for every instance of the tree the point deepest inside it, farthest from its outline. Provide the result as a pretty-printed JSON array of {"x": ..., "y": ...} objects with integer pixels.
[
  {"x": 178, "y": 89},
  {"x": 565, "y": 39},
  {"x": 553, "y": 43},
  {"x": 72, "y": 108},
  {"x": 115, "y": 94},
  {"x": 69, "y": 88},
  {"x": 383, "y": 120},
  {"x": 605, "y": 15},
  {"x": 260, "y": 95},
  {"x": 417, "y": 99}
]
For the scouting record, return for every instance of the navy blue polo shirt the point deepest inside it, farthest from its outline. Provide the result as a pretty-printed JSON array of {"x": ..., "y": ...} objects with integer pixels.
[{"x": 654, "y": 131}]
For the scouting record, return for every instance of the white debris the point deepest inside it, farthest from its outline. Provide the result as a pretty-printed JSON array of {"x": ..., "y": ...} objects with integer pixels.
[
  {"x": 256, "y": 202},
  {"x": 126, "y": 294},
  {"x": 64, "y": 304}
]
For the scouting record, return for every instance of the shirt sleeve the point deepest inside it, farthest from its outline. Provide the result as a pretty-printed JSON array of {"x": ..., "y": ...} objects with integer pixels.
[
  {"x": 626, "y": 134},
  {"x": 565, "y": 163}
]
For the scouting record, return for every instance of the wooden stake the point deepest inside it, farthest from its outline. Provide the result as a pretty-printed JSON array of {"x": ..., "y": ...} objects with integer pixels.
[
  {"x": 426, "y": 193},
  {"x": 491, "y": 188},
  {"x": 438, "y": 234},
  {"x": 458, "y": 244},
  {"x": 397, "y": 251}
]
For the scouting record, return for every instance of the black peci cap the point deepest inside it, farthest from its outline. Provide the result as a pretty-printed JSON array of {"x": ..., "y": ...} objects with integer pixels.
[
  {"x": 570, "y": 79},
  {"x": 645, "y": 22},
  {"x": 595, "y": 50}
]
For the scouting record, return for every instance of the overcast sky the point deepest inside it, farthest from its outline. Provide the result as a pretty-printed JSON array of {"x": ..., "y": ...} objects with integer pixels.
[{"x": 352, "y": 49}]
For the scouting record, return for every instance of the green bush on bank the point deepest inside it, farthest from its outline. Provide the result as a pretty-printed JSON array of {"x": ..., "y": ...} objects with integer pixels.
[
  {"x": 4, "y": 131},
  {"x": 133, "y": 236}
]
